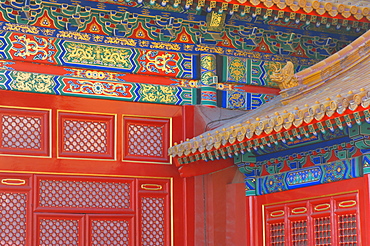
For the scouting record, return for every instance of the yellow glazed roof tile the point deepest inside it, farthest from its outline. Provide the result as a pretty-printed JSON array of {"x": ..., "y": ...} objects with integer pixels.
[{"x": 330, "y": 87}]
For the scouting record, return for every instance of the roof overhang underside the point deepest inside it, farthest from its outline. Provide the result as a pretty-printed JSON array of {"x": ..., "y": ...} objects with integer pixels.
[{"x": 331, "y": 94}]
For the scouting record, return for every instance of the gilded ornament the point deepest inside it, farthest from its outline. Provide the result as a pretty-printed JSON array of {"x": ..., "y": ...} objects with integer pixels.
[
  {"x": 33, "y": 82},
  {"x": 81, "y": 53},
  {"x": 284, "y": 77},
  {"x": 208, "y": 62},
  {"x": 158, "y": 93},
  {"x": 236, "y": 100},
  {"x": 237, "y": 69},
  {"x": 216, "y": 21}
]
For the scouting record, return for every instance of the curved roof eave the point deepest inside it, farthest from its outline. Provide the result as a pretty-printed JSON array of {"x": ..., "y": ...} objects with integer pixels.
[{"x": 333, "y": 88}]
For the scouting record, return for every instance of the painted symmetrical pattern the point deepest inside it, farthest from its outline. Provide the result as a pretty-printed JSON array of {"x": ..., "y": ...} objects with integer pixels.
[
  {"x": 244, "y": 100},
  {"x": 180, "y": 34},
  {"x": 145, "y": 140},
  {"x": 13, "y": 218},
  {"x": 110, "y": 232},
  {"x": 347, "y": 226},
  {"x": 59, "y": 232},
  {"x": 97, "y": 56},
  {"x": 69, "y": 86},
  {"x": 85, "y": 136},
  {"x": 84, "y": 194},
  {"x": 152, "y": 221},
  {"x": 208, "y": 69},
  {"x": 322, "y": 231},
  {"x": 21, "y": 132},
  {"x": 323, "y": 173}
]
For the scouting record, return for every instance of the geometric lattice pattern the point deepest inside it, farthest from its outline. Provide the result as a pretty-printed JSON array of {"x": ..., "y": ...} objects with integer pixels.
[
  {"x": 85, "y": 136},
  {"x": 347, "y": 226},
  {"x": 277, "y": 237},
  {"x": 299, "y": 233},
  {"x": 110, "y": 232},
  {"x": 21, "y": 132},
  {"x": 145, "y": 140},
  {"x": 322, "y": 231},
  {"x": 84, "y": 194},
  {"x": 59, "y": 232},
  {"x": 152, "y": 221},
  {"x": 13, "y": 218}
]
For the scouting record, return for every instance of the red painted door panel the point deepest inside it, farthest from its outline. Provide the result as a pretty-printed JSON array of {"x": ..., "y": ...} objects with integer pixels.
[
  {"x": 112, "y": 229},
  {"x": 59, "y": 229},
  {"x": 15, "y": 210}
]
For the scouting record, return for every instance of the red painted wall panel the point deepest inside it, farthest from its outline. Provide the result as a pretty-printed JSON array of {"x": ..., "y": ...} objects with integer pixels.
[{"x": 177, "y": 220}]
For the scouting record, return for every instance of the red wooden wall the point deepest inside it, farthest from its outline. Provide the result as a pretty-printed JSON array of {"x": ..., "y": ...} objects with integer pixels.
[{"x": 79, "y": 171}]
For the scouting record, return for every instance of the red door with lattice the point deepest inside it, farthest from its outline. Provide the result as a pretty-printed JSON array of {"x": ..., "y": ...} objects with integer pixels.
[{"x": 77, "y": 171}]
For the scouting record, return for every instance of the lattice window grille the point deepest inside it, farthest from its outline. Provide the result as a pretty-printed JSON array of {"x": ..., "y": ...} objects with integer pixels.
[
  {"x": 85, "y": 136},
  {"x": 21, "y": 132},
  {"x": 59, "y": 232},
  {"x": 152, "y": 219},
  {"x": 145, "y": 140},
  {"x": 277, "y": 234},
  {"x": 347, "y": 226},
  {"x": 84, "y": 194},
  {"x": 13, "y": 219},
  {"x": 322, "y": 231},
  {"x": 110, "y": 232},
  {"x": 299, "y": 233}
]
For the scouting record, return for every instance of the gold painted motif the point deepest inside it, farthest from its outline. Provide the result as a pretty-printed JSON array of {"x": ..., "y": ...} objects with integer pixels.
[
  {"x": 165, "y": 46},
  {"x": 215, "y": 21},
  {"x": 207, "y": 77},
  {"x": 21, "y": 28},
  {"x": 97, "y": 55},
  {"x": 33, "y": 82},
  {"x": 236, "y": 100},
  {"x": 208, "y": 62},
  {"x": 237, "y": 69},
  {"x": 209, "y": 49},
  {"x": 74, "y": 35},
  {"x": 120, "y": 41},
  {"x": 285, "y": 76},
  {"x": 164, "y": 62},
  {"x": 48, "y": 32},
  {"x": 158, "y": 93}
]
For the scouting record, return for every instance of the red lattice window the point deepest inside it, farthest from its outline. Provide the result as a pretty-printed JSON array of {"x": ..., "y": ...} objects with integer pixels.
[
  {"x": 24, "y": 132},
  {"x": 79, "y": 194},
  {"x": 110, "y": 230},
  {"x": 332, "y": 220},
  {"x": 59, "y": 230},
  {"x": 299, "y": 233},
  {"x": 277, "y": 234},
  {"x": 86, "y": 136},
  {"x": 322, "y": 231},
  {"x": 347, "y": 226},
  {"x": 152, "y": 221},
  {"x": 146, "y": 139},
  {"x": 13, "y": 218}
]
